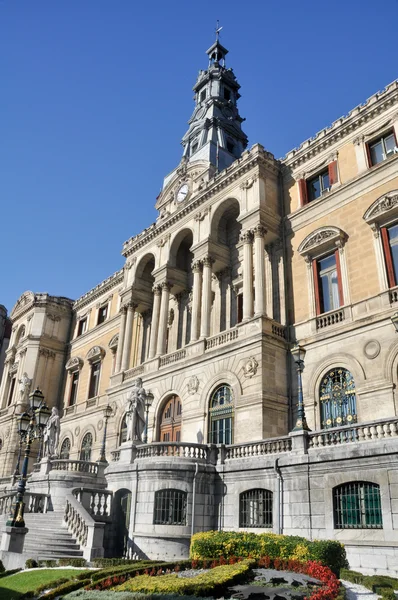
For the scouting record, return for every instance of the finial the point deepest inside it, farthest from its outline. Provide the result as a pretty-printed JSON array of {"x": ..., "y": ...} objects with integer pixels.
[{"x": 218, "y": 29}]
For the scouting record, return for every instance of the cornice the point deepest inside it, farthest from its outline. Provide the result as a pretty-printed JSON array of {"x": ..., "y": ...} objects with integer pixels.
[
  {"x": 343, "y": 126},
  {"x": 255, "y": 157},
  {"x": 99, "y": 290}
]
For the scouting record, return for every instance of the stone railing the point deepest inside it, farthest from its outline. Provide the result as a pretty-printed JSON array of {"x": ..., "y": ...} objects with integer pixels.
[
  {"x": 98, "y": 503},
  {"x": 331, "y": 318},
  {"x": 177, "y": 449},
  {"x": 362, "y": 432},
  {"x": 393, "y": 296},
  {"x": 262, "y": 448},
  {"x": 34, "y": 502},
  {"x": 115, "y": 455},
  {"x": 88, "y": 533},
  {"x": 279, "y": 331},
  {"x": 6, "y": 501},
  {"x": 80, "y": 466},
  {"x": 134, "y": 372},
  {"x": 169, "y": 359},
  {"x": 222, "y": 338}
]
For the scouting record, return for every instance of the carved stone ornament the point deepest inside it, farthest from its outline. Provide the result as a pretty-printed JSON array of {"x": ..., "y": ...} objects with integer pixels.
[
  {"x": 163, "y": 241},
  {"x": 193, "y": 385},
  {"x": 250, "y": 367},
  {"x": 130, "y": 262},
  {"x": 332, "y": 236},
  {"x": 77, "y": 430},
  {"x": 384, "y": 206},
  {"x": 74, "y": 364},
  {"x": 201, "y": 214},
  {"x": 26, "y": 299},
  {"x": 95, "y": 353},
  {"x": 372, "y": 349},
  {"x": 248, "y": 183},
  {"x": 100, "y": 424},
  {"x": 113, "y": 344}
]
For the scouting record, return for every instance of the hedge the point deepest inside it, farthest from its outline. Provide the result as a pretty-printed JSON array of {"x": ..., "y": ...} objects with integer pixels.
[
  {"x": 214, "y": 581},
  {"x": 112, "y": 577},
  {"x": 122, "y": 568},
  {"x": 102, "y": 563},
  {"x": 65, "y": 588},
  {"x": 95, "y": 595},
  {"x": 383, "y": 585},
  {"x": 212, "y": 544}
]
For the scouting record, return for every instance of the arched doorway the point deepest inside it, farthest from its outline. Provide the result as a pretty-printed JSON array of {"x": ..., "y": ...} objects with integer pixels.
[
  {"x": 170, "y": 420},
  {"x": 122, "y": 510}
]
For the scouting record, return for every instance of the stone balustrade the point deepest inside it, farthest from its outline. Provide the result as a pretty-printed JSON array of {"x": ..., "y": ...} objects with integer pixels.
[
  {"x": 359, "y": 432},
  {"x": 262, "y": 448},
  {"x": 88, "y": 532},
  {"x": 331, "y": 318},
  {"x": 222, "y": 338},
  {"x": 135, "y": 372},
  {"x": 115, "y": 455},
  {"x": 176, "y": 449},
  {"x": 34, "y": 502},
  {"x": 6, "y": 501},
  {"x": 80, "y": 466},
  {"x": 97, "y": 502},
  {"x": 169, "y": 359},
  {"x": 393, "y": 294}
]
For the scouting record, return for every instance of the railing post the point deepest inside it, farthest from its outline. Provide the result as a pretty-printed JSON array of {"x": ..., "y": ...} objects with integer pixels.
[
  {"x": 222, "y": 453},
  {"x": 299, "y": 441},
  {"x": 95, "y": 541}
]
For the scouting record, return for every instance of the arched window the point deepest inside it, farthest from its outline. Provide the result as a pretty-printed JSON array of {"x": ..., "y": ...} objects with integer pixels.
[
  {"x": 357, "y": 505},
  {"x": 221, "y": 416},
  {"x": 123, "y": 430},
  {"x": 170, "y": 420},
  {"x": 65, "y": 449},
  {"x": 20, "y": 335},
  {"x": 255, "y": 508},
  {"x": 170, "y": 507},
  {"x": 85, "y": 450},
  {"x": 337, "y": 398}
]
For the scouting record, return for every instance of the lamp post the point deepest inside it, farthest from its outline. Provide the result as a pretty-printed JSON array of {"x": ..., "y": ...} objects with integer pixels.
[
  {"x": 148, "y": 403},
  {"x": 298, "y": 353},
  {"x": 31, "y": 425},
  {"x": 107, "y": 414}
]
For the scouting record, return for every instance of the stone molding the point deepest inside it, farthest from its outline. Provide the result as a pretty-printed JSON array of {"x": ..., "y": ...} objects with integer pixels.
[
  {"x": 74, "y": 364},
  {"x": 322, "y": 238},
  {"x": 96, "y": 353},
  {"x": 383, "y": 208},
  {"x": 100, "y": 289},
  {"x": 114, "y": 342}
]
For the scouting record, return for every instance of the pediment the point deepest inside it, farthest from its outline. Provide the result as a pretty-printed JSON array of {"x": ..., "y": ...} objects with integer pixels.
[
  {"x": 22, "y": 303},
  {"x": 383, "y": 208},
  {"x": 113, "y": 344},
  {"x": 95, "y": 353},
  {"x": 74, "y": 364},
  {"x": 322, "y": 239}
]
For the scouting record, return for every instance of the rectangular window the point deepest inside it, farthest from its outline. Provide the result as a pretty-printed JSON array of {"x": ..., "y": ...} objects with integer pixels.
[
  {"x": 102, "y": 314},
  {"x": 382, "y": 148},
  {"x": 170, "y": 507},
  {"x": 327, "y": 280},
  {"x": 221, "y": 430},
  {"x": 227, "y": 94},
  {"x": 73, "y": 388},
  {"x": 389, "y": 236},
  {"x": 94, "y": 380},
  {"x": 203, "y": 95},
  {"x": 11, "y": 392},
  {"x": 318, "y": 185},
  {"x": 82, "y": 327},
  {"x": 239, "y": 317}
]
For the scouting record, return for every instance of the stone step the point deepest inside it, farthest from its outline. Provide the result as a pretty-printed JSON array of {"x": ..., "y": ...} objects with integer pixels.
[{"x": 61, "y": 545}]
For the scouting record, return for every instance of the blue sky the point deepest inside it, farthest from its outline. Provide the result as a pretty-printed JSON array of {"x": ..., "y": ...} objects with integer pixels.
[{"x": 95, "y": 98}]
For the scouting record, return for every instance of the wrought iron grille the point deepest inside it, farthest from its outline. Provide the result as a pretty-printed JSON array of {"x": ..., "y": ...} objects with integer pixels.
[
  {"x": 337, "y": 398},
  {"x": 65, "y": 449},
  {"x": 357, "y": 505},
  {"x": 221, "y": 416},
  {"x": 255, "y": 508},
  {"x": 170, "y": 507}
]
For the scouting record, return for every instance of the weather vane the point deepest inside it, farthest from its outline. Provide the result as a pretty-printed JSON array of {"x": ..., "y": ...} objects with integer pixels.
[{"x": 218, "y": 29}]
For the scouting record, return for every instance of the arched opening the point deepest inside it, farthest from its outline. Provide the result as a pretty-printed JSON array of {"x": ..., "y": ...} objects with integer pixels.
[
  {"x": 121, "y": 519},
  {"x": 181, "y": 257},
  {"x": 144, "y": 281},
  {"x": 170, "y": 420},
  {"x": 221, "y": 416},
  {"x": 65, "y": 449},
  {"x": 123, "y": 430},
  {"x": 85, "y": 449},
  {"x": 20, "y": 335},
  {"x": 337, "y": 398}
]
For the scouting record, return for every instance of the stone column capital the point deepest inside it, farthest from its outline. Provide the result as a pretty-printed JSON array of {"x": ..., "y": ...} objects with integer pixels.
[
  {"x": 259, "y": 231},
  {"x": 157, "y": 289},
  {"x": 246, "y": 236},
  {"x": 166, "y": 286},
  {"x": 131, "y": 306},
  {"x": 196, "y": 266},
  {"x": 208, "y": 261}
]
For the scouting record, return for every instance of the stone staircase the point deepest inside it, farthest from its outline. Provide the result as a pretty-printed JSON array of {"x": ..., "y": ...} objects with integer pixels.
[{"x": 48, "y": 539}]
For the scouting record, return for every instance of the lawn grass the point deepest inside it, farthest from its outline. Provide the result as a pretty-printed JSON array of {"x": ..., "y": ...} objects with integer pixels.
[{"x": 14, "y": 586}]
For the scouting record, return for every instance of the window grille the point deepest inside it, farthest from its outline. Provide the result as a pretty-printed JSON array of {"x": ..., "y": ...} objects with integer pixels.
[
  {"x": 357, "y": 505},
  {"x": 85, "y": 450},
  {"x": 255, "y": 508},
  {"x": 65, "y": 449},
  {"x": 221, "y": 416},
  {"x": 170, "y": 507},
  {"x": 337, "y": 398}
]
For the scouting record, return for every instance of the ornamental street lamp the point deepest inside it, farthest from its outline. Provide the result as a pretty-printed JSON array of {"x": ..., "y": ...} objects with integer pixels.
[
  {"x": 107, "y": 413},
  {"x": 394, "y": 320},
  {"x": 31, "y": 426},
  {"x": 148, "y": 403},
  {"x": 298, "y": 353}
]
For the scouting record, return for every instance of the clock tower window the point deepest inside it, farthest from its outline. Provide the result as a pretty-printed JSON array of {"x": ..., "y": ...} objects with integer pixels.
[
  {"x": 227, "y": 94},
  {"x": 202, "y": 95}
]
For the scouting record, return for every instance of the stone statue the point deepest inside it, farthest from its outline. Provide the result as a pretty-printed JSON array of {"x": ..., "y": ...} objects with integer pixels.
[
  {"x": 51, "y": 434},
  {"x": 24, "y": 387},
  {"x": 136, "y": 412}
]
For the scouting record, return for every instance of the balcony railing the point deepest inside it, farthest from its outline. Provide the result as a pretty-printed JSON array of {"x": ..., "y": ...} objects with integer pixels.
[
  {"x": 177, "y": 449},
  {"x": 135, "y": 372},
  {"x": 362, "y": 432},
  {"x": 262, "y": 448},
  {"x": 80, "y": 466},
  {"x": 331, "y": 318},
  {"x": 169, "y": 359},
  {"x": 221, "y": 338}
]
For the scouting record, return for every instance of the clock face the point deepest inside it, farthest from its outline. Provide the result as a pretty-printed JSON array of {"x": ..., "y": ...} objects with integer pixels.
[{"x": 182, "y": 193}]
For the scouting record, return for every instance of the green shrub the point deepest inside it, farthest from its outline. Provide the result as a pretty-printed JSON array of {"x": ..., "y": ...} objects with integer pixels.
[
  {"x": 378, "y": 584},
  {"x": 31, "y": 563},
  {"x": 99, "y": 576},
  {"x": 214, "y": 581},
  {"x": 11, "y": 572},
  {"x": 65, "y": 588},
  {"x": 52, "y": 584},
  {"x": 110, "y": 595},
  {"x": 49, "y": 564},
  {"x": 2, "y": 569},
  {"x": 102, "y": 563},
  {"x": 213, "y": 544},
  {"x": 72, "y": 562},
  {"x": 352, "y": 576}
]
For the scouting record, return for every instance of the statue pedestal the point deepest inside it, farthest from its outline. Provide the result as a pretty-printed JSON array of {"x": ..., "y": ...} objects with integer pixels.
[
  {"x": 45, "y": 466},
  {"x": 13, "y": 539},
  {"x": 128, "y": 451}
]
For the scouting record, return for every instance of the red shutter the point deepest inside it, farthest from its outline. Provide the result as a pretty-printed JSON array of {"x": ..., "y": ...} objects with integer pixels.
[
  {"x": 333, "y": 176},
  {"x": 316, "y": 287},
  {"x": 339, "y": 281},
  {"x": 368, "y": 155},
  {"x": 388, "y": 257},
  {"x": 303, "y": 192}
]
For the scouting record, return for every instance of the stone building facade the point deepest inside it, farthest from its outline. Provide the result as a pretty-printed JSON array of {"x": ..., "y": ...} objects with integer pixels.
[{"x": 248, "y": 255}]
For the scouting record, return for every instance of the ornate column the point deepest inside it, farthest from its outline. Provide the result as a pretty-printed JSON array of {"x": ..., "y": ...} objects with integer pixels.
[
  {"x": 247, "y": 239},
  {"x": 122, "y": 331},
  {"x": 128, "y": 336},
  {"x": 259, "y": 233},
  {"x": 157, "y": 290},
  {"x": 197, "y": 288},
  {"x": 206, "y": 296},
  {"x": 163, "y": 318}
]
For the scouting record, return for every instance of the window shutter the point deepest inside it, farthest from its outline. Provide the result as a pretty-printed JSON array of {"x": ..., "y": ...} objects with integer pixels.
[
  {"x": 387, "y": 257},
  {"x": 369, "y": 157},
  {"x": 316, "y": 287},
  {"x": 333, "y": 175},
  {"x": 339, "y": 281},
  {"x": 303, "y": 192}
]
